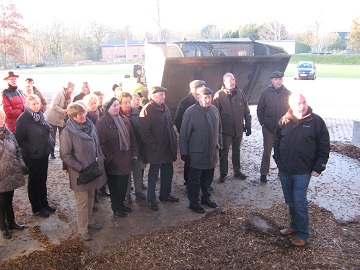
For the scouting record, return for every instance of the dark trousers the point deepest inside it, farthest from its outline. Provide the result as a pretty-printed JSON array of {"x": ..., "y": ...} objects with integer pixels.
[
  {"x": 166, "y": 175},
  {"x": 199, "y": 179},
  {"x": 186, "y": 173},
  {"x": 37, "y": 190},
  {"x": 53, "y": 132},
  {"x": 117, "y": 187},
  {"x": 268, "y": 142},
  {"x": 6, "y": 209},
  {"x": 235, "y": 143}
]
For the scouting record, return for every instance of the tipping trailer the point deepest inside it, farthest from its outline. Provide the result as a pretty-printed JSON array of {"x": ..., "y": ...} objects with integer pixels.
[{"x": 174, "y": 65}]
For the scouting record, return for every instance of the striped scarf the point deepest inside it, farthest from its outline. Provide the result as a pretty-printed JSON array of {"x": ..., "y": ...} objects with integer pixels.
[
  {"x": 39, "y": 117},
  {"x": 124, "y": 138}
]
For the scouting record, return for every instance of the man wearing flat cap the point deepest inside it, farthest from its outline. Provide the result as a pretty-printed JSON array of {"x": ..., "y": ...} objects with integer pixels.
[
  {"x": 273, "y": 104},
  {"x": 185, "y": 103},
  {"x": 235, "y": 120},
  {"x": 13, "y": 100},
  {"x": 200, "y": 142},
  {"x": 160, "y": 145}
]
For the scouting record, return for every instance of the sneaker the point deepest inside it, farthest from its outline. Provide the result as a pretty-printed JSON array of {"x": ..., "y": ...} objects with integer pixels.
[
  {"x": 240, "y": 175},
  {"x": 43, "y": 213},
  {"x": 153, "y": 206},
  {"x": 85, "y": 236},
  {"x": 263, "y": 178},
  {"x": 140, "y": 196},
  {"x": 197, "y": 208},
  {"x": 95, "y": 226}
]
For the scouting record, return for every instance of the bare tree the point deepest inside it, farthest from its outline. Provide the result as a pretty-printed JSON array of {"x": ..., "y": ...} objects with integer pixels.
[
  {"x": 58, "y": 41},
  {"x": 273, "y": 31},
  {"x": 158, "y": 19},
  {"x": 12, "y": 31}
]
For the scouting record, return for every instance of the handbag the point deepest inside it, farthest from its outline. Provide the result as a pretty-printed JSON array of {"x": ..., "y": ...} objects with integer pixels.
[{"x": 89, "y": 173}]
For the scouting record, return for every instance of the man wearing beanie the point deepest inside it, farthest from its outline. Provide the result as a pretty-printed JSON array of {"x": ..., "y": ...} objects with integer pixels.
[
  {"x": 160, "y": 145},
  {"x": 273, "y": 104}
]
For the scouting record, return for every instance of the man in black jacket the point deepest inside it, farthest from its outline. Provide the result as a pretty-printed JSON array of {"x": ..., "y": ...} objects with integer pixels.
[
  {"x": 273, "y": 104},
  {"x": 301, "y": 150},
  {"x": 185, "y": 103}
]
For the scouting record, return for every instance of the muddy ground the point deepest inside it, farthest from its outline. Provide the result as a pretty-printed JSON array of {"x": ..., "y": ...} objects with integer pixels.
[{"x": 241, "y": 234}]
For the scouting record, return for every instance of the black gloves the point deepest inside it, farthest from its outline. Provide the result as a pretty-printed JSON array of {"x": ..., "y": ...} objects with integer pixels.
[
  {"x": 247, "y": 130},
  {"x": 185, "y": 158}
]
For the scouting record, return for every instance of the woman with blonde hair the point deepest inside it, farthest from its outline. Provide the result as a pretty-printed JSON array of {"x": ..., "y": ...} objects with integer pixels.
[
  {"x": 12, "y": 169},
  {"x": 56, "y": 113},
  {"x": 79, "y": 148}
]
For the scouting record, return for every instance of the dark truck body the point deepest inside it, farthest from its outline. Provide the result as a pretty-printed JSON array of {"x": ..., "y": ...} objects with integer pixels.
[{"x": 175, "y": 64}]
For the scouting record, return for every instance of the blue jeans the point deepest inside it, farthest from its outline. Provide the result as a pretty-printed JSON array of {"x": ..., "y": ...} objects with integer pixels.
[
  {"x": 166, "y": 175},
  {"x": 295, "y": 187},
  {"x": 235, "y": 143}
]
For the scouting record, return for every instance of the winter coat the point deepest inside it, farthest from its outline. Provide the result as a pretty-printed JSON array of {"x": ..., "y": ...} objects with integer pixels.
[
  {"x": 301, "y": 146},
  {"x": 200, "y": 136},
  {"x": 55, "y": 114},
  {"x": 12, "y": 164},
  {"x": 185, "y": 103},
  {"x": 234, "y": 109},
  {"x": 117, "y": 162},
  {"x": 158, "y": 134},
  {"x": 13, "y": 100},
  {"x": 78, "y": 150},
  {"x": 273, "y": 104},
  {"x": 34, "y": 139}
]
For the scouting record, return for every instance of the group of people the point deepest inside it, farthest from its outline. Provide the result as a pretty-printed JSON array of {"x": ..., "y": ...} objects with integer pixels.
[{"x": 120, "y": 137}]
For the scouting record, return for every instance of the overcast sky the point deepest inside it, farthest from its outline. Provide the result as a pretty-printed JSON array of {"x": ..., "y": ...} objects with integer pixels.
[{"x": 185, "y": 15}]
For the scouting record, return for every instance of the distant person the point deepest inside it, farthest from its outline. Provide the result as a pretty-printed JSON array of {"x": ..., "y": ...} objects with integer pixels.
[
  {"x": 200, "y": 142},
  {"x": 13, "y": 101},
  {"x": 12, "y": 169},
  {"x": 301, "y": 150},
  {"x": 118, "y": 144},
  {"x": 160, "y": 144},
  {"x": 33, "y": 134},
  {"x": 80, "y": 147},
  {"x": 190, "y": 99},
  {"x": 30, "y": 81},
  {"x": 100, "y": 96},
  {"x": 235, "y": 120},
  {"x": 273, "y": 104},
  {"x": 56, "y": 114},
  {"x": 85, "y": 90}
]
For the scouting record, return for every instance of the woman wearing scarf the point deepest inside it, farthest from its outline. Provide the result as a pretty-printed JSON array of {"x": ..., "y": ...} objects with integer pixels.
[
  {"x": 133, "y": 115},
  {"x": 56, "y": 113},
  {"x": 33, "y": 134},
  {"x": 118, "y": 144},
  {"x": 79, "y": 148},
  {"x": 12, "y": 167}
]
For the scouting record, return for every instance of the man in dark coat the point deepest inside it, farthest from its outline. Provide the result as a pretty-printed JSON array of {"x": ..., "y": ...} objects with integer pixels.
[
  {"x": 185, "y": 103},
  {"x": 273, "y": 104},
  {"x": 234, "y": 111},
  {"x": 301, "y": 150},
  {"x": 200, "y": 142},
  {"x": 160, "y": 144}
]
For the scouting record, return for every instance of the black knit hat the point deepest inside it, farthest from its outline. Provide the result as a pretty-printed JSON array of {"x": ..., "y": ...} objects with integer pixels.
[{"x": 108, "y": 103}]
